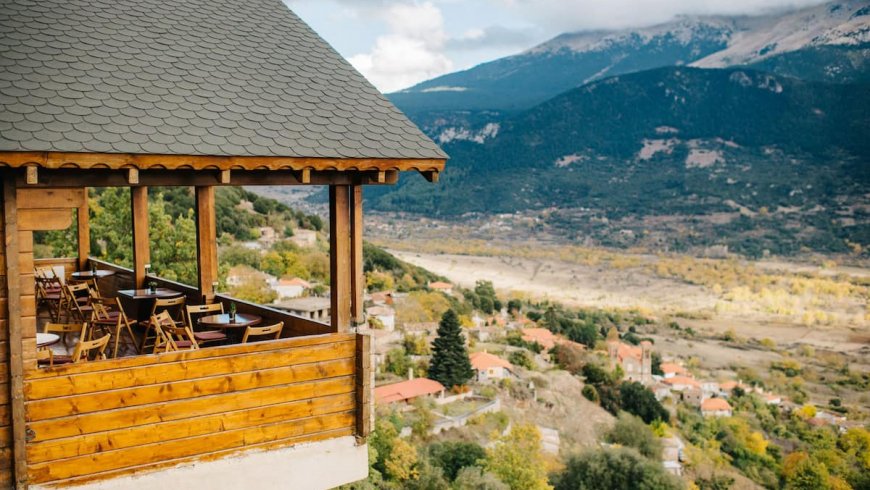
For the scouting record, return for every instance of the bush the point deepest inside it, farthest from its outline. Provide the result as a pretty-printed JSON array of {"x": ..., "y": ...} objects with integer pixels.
[
  {"x": 522, "y": 358},
  {"x": 630, "y": 431},
  {"x": 453, "y": 456},
  {"x": 474, "y": 478},
  {"x": 638, "y": 400},
  {"x": 614, "y": 469},
  {"x": 590, "y": 393}
]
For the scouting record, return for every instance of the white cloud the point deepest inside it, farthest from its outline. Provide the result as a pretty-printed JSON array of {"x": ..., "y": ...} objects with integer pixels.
[{"x": 411, "y": 52}]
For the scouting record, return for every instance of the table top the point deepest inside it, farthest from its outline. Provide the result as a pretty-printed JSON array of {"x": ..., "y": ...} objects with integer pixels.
[
  {"x": 101, "y": 273},
  {"x": 46, "y": 339},
  {"x": 223, "y": 320},
  {"x": 148, "y": 294}
]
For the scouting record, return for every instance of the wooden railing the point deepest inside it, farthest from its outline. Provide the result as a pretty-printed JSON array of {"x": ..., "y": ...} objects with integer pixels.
[{"x": 102, "y": 419}]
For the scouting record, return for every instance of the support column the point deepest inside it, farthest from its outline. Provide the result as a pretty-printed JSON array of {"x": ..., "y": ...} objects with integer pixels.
[
  {"x": 206, "y": 242},
  {"x": 357, "y": 277},
  {"x": 15, "y": 324},
  {"x": 84, "y": 231},
  {"x": 339, "y": 256},
  {"x": 141, "y": 242}
]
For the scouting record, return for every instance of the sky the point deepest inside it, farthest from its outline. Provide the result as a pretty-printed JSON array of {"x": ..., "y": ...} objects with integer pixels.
[{"x": 398, "y": 43}]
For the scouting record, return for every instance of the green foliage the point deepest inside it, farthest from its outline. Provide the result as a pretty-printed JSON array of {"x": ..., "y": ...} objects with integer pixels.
[
  {"x": 522, "y": 358},
  {"x": 483, "y": 297},
  {"x": 409, "y": 277},
  {"x": 475, "y": 478},
  {"x": 590, "y": 393},
  {"x": 614, "y": 469},
  {"x": 638, "y": 400},
  {"x": 450, "y": 364},
  {"x": 397, "y": 362},
  {"x": 452, "y": 456},
  {"x": 630, "y": 431},
  {"x": 517, "y": 460}
]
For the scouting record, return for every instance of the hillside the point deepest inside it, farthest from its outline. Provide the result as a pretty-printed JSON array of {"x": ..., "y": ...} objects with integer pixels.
[
  {"x": 673, "y": 141},
  {"x": 573, "y": 59}
]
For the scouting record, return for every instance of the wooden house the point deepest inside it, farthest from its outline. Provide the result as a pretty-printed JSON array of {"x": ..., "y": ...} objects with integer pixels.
[{"x": 140, "y": 93}]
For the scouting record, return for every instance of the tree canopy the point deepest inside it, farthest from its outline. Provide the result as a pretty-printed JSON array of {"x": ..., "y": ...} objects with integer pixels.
[{"x": 450, "y": 364}]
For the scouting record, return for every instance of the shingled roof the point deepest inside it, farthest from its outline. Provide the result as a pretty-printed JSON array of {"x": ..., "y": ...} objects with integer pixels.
[{"x": 187, "y": 77}]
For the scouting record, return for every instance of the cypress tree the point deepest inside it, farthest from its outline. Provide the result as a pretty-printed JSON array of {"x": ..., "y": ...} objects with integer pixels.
[{"x": 450, "y": 365}]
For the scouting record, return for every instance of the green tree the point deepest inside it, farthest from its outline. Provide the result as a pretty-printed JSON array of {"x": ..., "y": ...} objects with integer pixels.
[
  {"x": 474, "y": 478},
  {"x": 517, "y": 460},
  {"x": 522, "y": 358},
  {"x": 452, "y": 456},
  {"x": 630, "y": 431},
  {"x": 638, "y": 400},
  {"x": 614, "y": 469},
  {"x": 450, "y": 365}
]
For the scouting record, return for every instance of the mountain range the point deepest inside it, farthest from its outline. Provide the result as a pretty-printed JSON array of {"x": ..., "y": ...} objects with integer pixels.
[{"x": 749, "y": 132}]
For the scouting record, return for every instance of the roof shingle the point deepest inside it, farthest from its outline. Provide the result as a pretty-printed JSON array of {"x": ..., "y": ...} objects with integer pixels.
[{"x": 167, "y": 75}]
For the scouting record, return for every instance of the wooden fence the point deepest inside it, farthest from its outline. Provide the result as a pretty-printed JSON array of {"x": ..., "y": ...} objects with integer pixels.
[{"x": 101, "y": 419}]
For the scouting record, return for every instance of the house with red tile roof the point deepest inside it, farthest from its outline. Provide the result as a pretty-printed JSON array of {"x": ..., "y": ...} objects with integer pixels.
[
  {"x": 682, "y": 383},
  {"x": 636, "y": 361},
  {"x": 715, "y": 407},
  {"x": 671, "y": 369},
  {"x": 408, "y": 390},
  {"x": 444, "y": 287},
  {"x": 542, "y": 336},
  {"x": 489, "y": 366}
]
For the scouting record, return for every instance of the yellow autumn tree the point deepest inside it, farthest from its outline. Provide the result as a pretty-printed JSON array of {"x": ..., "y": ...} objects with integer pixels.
[
  {"x": 402, "y": 461},
  {"x": 517, "y": 459}
]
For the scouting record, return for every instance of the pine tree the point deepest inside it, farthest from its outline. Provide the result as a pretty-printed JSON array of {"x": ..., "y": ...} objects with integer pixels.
[{"x": 450, "y": 365}]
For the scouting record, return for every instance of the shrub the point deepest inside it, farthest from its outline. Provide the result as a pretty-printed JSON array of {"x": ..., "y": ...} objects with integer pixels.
[
  {"x": 614, "y": 469},
  {"x": 590, "y": 393},
  {"x": 452, "y": 456},
  {"x": 638, "y": 400},
  {"x": 522, "y": 358},
  {"x": 630, "y": 431}
]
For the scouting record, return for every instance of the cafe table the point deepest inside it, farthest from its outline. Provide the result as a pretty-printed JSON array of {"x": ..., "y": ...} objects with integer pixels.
[
  {"x": 234, "y": 328},
  {"x": 46, "y": 339},
  {"x": 136, "y": 297}
]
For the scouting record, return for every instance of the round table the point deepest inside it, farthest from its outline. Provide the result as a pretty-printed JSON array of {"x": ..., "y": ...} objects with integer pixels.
[
  {"x": 46, "y": 339},
  {"x": 88, "y": 275},
  {"x": 243, "y": 320}
]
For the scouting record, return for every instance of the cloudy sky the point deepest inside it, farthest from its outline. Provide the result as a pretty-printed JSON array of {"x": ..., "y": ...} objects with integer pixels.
[{"x": 397, "y": 43}]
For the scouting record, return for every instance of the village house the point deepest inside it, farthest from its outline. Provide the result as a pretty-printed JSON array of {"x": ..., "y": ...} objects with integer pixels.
[
  {"x": 670, "y": 369},
  {"x": 288, "y": 288},
  {"x": 636, "y": 361},
  {"x": 312, "y": 307},
  {"x": 542, "y": 336},
  {"x": 726, "y": 387},
  {"x": 682, "y": 383},
  {"x": 304, "y": 238},
  {"x": 661, "y": 390},
  {"x": 444, "y": 287},
  {"x": 241, "y": 274},
  {"x": 408, "y": 390},
  {"x": 381, "y": 298},
  {"x": 489, "y": 366},
  {"x": 715, "y": 407},
  {"x": 385, "y": 315}
]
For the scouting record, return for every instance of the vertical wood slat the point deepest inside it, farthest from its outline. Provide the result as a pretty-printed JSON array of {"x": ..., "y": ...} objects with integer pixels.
[
  {"x": 364, "y": 386},
  {"x": 14, "y": 323},
  {"x": 339, "y": 256},
  {"x": 141, "y": 243},
  {"x": 206, "y": 241},
  {"x": 84, "y": 231},
  {"x": 357, "y": 277}
]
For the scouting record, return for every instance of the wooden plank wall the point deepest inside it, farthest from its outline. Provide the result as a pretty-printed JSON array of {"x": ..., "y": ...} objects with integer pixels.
[
  {"x": 102, "y": 419},
  {"x": 5, "y": 408}
]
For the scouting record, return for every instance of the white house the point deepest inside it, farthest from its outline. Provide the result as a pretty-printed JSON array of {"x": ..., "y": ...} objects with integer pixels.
[
  {"x": 384, "y": 314},
  {"x": 291, "y": 288},
  {"x": 444, "y": 287},
  {"x": 715, "y": 407},
  {"x": 304, "y": 238},
  {"x": 489, "y": 366},
  {"x": 240, "y": 274}
]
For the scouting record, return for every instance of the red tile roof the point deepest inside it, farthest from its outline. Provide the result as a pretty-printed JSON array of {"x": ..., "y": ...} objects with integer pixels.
[
  {"x": 541, "y": 336},
  {"x": 715, "y": 405},
  {"x": 682, "y": 380},
  {"x": 484, "y": 360},
  {"x": 670, "y": 367},
  {"x": 407, "y": 390},
  {"x": 440, "y": 285}
]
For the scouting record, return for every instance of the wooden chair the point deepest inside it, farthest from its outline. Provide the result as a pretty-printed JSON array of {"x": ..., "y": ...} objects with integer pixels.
[
  {"x": 92, "y": 284},
  {"x": 86, "y": 347},
  {"x": 169, "y": 336},
  {"x": 75, "y": 302},
  {"x": 45, "y": 356},
  {"x": 50, "y": 300},
  {"x": 205, "y": 336},
  {"x": 174, "y": 307},
  {"x": 263, "y": 331},
  {"x": 109, "y": 316}
]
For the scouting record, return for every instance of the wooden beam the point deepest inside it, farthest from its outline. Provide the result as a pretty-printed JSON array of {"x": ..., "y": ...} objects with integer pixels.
[
  {"x": 141, "y": 241},
  {"x": 225, "y": 176},
  {"x": 45, "y": 219},
  {"x": 76, "y": 178},
  {"x": 305, "y": 176},
  {"x": 42, "y": 198},
  {"x": 84, "y": 230},
  {"x": 206, "y": 241},
  {"x": 132, "y": 176},
  {"x": 364, "y": 391},
  {"x": 203, "y": 162},
  {"x": 431, "y": 175},
  {"x": 339, "y": 257},
  {"x": 357, "y": 277},
  {"x": 15, "y": 325},
  {"x": 32, "y": 175}
]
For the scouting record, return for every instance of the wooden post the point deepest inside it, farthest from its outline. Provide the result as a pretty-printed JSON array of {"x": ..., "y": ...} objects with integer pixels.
[
  {"x": 364, "y": 391},
  {"x": 84, "y": 229},
  {"x": 357, "y": 277},
  {"x": 141, "y": 242},
  {"x": 339, "y": 256},
  {"x": 206, "y": 241},
  {"x": 15, "y": 324}
]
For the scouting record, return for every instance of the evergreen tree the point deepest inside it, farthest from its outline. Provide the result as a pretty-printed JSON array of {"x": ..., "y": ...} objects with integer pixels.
[{"x": 450, "y": 365}]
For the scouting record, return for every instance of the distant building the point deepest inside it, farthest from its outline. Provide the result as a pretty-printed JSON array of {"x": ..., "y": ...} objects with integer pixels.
[
  {"x": 772, "y": 399},
  {"x": 716, "y": 407},
  {"x": 693, "y": 396},
  {"x": 385, "y": 315},
  {"x": 241, "y": 274},
  {"x": 444, "y": 287},
  {"x": 304, "y": 238},
  {"x": 313, "y": 308},
  {"x": 382, "y": 298},
  {"x": 661, "y": 391},
  {"x": 489, "y": 366},
  {"x": 406, "y": 391},
  {"x": 682, "y": 383},
  {"x": 710, "y": 388},
  {"x": 267, "y": 235},
  {"x": 542, "y": 336},
  {"x": 291, "y": 288},
  {"x": 727, "y": 387},
  {"x": 671, "y": 369},
  {"x": 636, "y": 362}
]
